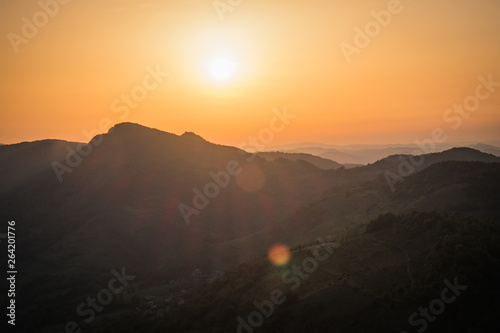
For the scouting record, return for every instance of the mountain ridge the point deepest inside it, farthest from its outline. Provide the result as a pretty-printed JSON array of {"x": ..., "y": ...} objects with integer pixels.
[{"x": 119, "y": 207}]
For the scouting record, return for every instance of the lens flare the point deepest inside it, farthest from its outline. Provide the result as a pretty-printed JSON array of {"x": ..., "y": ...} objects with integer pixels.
[
  {"x": 251, "y": 178},
  {"x": 279, "y": 254}
]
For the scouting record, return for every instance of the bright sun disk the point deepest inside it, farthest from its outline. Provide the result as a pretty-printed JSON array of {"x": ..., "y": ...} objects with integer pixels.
[{"x": 222, "y": 69}]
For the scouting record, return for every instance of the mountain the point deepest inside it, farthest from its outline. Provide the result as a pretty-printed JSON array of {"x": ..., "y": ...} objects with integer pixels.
[
  {"x": 176, "y": 210},
  {"x": 470, "y": 188},
  {"x": 351, "y": 154},
  {"x": 366, "y": 154},
  {"x": 321, "y": 163},
  {"x": 119, "y": 204},
  {"x": 19, "y": 163},
  {"x": 401, "y": 165},
  {"x": 487, "y": 148},
  {"x": 334, "y": 154}
]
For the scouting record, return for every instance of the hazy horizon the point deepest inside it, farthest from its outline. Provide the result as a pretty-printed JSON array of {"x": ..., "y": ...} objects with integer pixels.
[{"x": 291, "y": 143}]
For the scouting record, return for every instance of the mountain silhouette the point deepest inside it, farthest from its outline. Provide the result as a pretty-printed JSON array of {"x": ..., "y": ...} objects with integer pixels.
[
  {"x": 320, "y": 162},
  {"x": 163, "y": 205}
]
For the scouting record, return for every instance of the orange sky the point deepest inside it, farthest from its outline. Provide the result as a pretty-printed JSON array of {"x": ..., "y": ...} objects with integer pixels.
[{"x": 65, "y": 77}]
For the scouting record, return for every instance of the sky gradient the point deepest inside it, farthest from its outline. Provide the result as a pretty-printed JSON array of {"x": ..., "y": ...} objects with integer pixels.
[{"x": 78, "y": 66}]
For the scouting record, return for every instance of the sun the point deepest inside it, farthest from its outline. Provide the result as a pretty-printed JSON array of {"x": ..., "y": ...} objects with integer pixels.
[{"x": 222, "y": 69}]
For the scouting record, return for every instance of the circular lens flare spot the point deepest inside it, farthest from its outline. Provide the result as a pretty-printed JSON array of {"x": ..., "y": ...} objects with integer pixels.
[
  {"x": 251, "y": 178},
  {"x": 279, "y": 254}
]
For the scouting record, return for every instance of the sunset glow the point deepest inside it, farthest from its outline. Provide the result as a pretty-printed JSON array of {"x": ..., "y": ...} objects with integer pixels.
[
  {"x": 250, "y": 166},
  {"x": 392, "y": 83}
]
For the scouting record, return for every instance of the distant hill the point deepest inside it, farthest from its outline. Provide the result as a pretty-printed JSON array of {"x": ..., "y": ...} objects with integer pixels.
[
  {"x": 321, "y": 163},
  {"x": 449, "y": 186},
  {"x": 487, "y": 149},
  {"x": 365, "y": 154},
  {"x": 395, "y": 163},
  {"x": 342, "y": 157}
]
